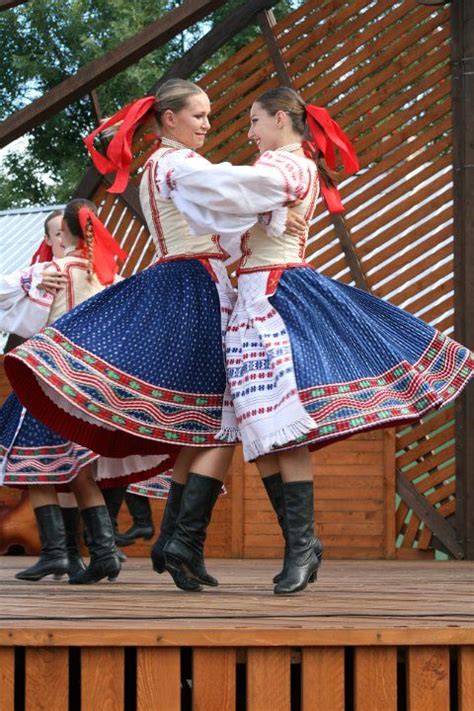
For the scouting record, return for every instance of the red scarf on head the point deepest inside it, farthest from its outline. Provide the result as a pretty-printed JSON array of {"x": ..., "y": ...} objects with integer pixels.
[
  {"x": 118, "y": 157},
  {"x": 105, "y": 248},
  {"x": 327, "y": 137},
  {"x": 44, "y": 253}
]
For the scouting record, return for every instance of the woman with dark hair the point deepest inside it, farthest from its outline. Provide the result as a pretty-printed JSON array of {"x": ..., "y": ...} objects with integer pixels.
[{"x": 311, "y": 360}]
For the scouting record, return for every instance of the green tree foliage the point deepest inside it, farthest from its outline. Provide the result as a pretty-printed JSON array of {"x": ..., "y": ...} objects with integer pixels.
[{"x": 46, "y": 41}]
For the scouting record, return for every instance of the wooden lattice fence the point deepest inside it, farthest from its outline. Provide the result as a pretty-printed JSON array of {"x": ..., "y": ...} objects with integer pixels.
[{"x": 383, "y": 70}]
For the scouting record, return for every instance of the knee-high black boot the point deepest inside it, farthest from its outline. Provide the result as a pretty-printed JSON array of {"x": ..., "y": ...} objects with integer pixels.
[
  {"x": 274, "y": 487},
  {"x": 301, "y": 562},
  {"x": 168, "y": 525},
  {"x": 142, "y": 527},
  {"x": 104, "y": 562},
  {"x": 113, "y": 500},
  {"x": 53, "y": 558},
  {"x": 71, "y": 525},
  {"x": 184, "y": 552}
]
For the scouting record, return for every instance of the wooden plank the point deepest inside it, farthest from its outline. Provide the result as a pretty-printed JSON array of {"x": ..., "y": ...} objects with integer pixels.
[
  {"x": 428, "y": 679},
  {"x": 7, "y": 678},
  {"x": 268, "y": 679},
  {"x": 465, "y": 678},
  {"x": 237, "y": 477},
  {"x": 389, "y": 478},
  {"x": 231, "y": 25},
  {"x": 214, "y": 677},
  {"x": 322, "y": 679},
  {"x": 425, "y": 427},
  {"x": 46, "y": 679},
  {"x": 102, "y": 677},
  {"x": 427, "y": 513},
  {"x": 463, "y": 150},
  {"x": 158, "y": 679},
  {"x": 105, "y": 67},
  {"x": 7, "y": 4},
  {"x": 375, "y": 682},
  {"x": 267, "y": 22}
]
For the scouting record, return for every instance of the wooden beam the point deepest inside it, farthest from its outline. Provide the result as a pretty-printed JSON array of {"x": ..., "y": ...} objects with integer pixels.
[
  {"x": 463, "y": 156},
  {"x": 235, "y": 22},
  {"x": 7, "y": 4},
  {"x": 429, "y": 515},
  {"x": 96, "y": 106},
  {"x": 183, "y": 68},
  {"x": 344, "y": 236},
  {"x": 107, "y": 66},
  {"x": 267, "y": 22}
]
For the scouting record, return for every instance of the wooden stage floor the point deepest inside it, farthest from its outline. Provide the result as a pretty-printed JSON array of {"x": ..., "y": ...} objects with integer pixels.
[
  {"x": 349, "y": 595},
  {"x": 369, "y": 636}
]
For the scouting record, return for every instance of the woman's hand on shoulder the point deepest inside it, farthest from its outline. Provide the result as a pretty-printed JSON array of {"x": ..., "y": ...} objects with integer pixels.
[
  {"x": 295, "y": 223},
  {"x": 52, "y": 282}
]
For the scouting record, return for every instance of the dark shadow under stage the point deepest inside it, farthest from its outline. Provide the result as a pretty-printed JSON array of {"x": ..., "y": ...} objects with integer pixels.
[{"x": 371, "y": 636}]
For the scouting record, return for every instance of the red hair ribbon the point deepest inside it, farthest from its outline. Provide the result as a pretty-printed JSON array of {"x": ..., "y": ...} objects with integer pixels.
[
  {"x": 44, "y": 253},
  {"x": 105, "y": 248},
  {"x": 118, "y": 158},
  {"x": 327, "y": 137}
]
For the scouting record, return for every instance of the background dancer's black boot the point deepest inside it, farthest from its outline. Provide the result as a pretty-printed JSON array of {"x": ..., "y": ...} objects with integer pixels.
[
  {"x": 142, "y": 527},
  {"x": 185, "y": 551},
  {"x": 71, "y": 523},
  {"x": 104, "y": 562},
  {"x": 53, "y": 558},
  {"x": 301, "y": 561},
  {"x": 168, "y": 525},
  {"x": 274, "y": 487},
  {"x": 113, "y": 500}
]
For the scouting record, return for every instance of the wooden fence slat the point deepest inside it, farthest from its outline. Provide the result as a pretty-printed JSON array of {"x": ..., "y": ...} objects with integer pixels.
[
  {"x": 7, "y": 678},
  {"x": 428, "y": 679},
  {"x": 375, "y": 682},
  {"x": 214, "y": 676},
  {"x": 102, "y": 678},
  {"x": 466, "y": 679},
  {"x": 322, "y": 679},
  {"x": 158, "y": 679},
  {"x": 268, "y": 679},
  {"x": 46, "y": 679}
]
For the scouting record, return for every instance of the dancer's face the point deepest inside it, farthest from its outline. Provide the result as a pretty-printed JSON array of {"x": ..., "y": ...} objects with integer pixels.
[
  {"x": 266, "y": 130},
  {"x": 54, "y": 236},
  {"x": 189, "y": 125}
]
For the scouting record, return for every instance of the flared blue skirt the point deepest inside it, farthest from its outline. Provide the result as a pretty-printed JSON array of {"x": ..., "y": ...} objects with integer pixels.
[{"x": 138, "y": 368}]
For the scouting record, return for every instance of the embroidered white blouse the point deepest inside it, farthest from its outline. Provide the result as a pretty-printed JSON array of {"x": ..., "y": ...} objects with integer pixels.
[{"x": 225, "y": 199}]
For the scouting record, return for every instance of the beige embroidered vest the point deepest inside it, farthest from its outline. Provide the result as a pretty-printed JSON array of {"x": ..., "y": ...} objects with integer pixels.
[
  {"x": 262, "y": 251},
  {"x": 168, "y": 228},
  {"x": 78, "y": 287}
]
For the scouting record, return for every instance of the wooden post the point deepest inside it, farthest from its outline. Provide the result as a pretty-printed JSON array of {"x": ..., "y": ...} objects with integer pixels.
[{"x": 463, "y": 157}]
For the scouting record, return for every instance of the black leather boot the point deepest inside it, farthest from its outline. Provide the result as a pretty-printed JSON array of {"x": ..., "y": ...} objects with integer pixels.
[
  {"x": 273, "y": 485},
  {"x": 53, "y": 558},
  {"x": 140, "y": 510},
  {"x": 184, "y": 552},
  {"x": 168, "y": 525},
  {"x": 71, "y": 524},
  {"x": 301, "y": 561},
  {"x": 113, "y": 500},
  {"x": 104, "y": 562}
]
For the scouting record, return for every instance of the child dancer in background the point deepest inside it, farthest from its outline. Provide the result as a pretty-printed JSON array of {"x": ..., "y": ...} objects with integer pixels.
[{"x": 34, "y": 456}]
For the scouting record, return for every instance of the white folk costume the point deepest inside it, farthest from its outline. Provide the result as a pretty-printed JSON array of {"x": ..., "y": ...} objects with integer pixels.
[
  {"x": 30, "y": 453},
  {"x": 309, "y": 360}
]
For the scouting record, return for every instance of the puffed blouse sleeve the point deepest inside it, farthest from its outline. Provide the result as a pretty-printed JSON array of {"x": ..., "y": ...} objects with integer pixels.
[
  {"x": 228, "y": 199},
  {"x": 24, "y": 308}
]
